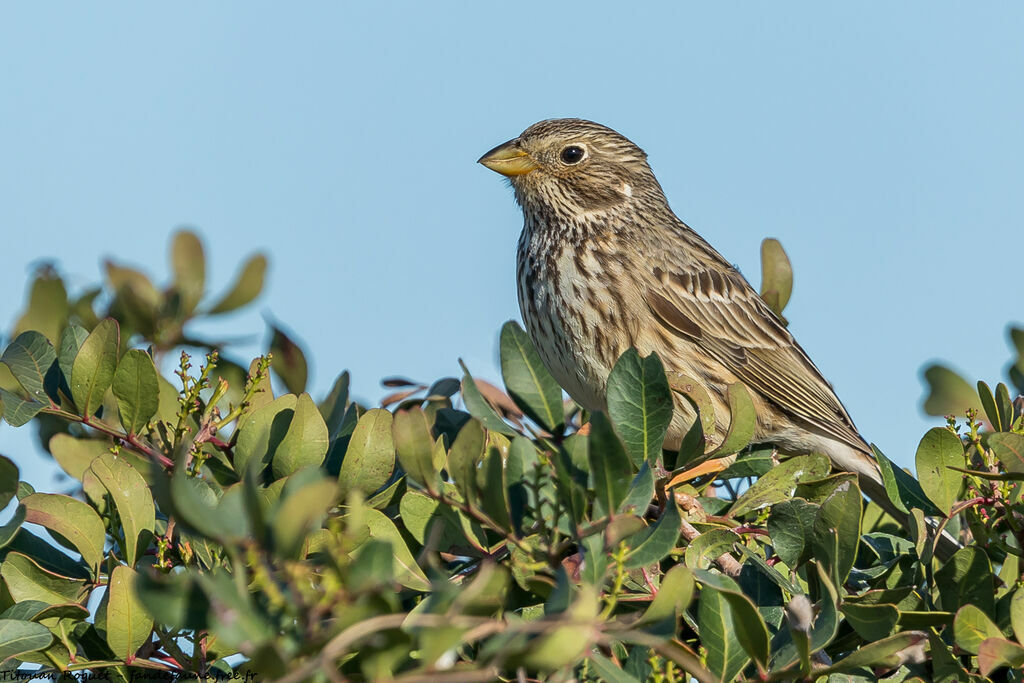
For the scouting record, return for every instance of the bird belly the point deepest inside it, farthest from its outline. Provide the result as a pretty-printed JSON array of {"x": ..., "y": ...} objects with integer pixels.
[{"x": 558, "y": 309}]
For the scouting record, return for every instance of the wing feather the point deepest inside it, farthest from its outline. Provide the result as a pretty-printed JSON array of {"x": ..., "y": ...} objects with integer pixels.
[{"x": 726, "y": 319}]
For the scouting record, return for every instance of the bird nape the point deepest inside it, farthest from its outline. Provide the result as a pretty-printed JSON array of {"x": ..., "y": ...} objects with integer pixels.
[{"x": 603, "y": 265}]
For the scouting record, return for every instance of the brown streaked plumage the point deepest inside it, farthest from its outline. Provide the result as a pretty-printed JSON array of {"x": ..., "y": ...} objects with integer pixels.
[{"x": 604, "y": 264}]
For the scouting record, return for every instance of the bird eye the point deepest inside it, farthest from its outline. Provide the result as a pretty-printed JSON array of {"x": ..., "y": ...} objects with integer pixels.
[{"x": 573, "y": 154}]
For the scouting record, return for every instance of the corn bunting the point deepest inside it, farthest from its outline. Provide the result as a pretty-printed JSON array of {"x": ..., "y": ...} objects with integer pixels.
[{"x": 604, "y": 265}]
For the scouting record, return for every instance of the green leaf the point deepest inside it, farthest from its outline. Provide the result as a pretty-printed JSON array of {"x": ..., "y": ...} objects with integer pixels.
[
  {"x": 261, "y": 432},
  {"x": 305, "y": 442},
  {"x": 189, "y": 265},
  {"x": 657, "y": 541},
  {"x": 966, "y": 579},
  {"x": 495, "y": 502},
  {"x": 988, "y": 402},
  {"x": 726, "y": 656},
  {"x": 971, "y": 627},
  {"x": 751, "y": 630},
  {"x": 787, "y": 652},
  {"x": 21, "y": 637},
  {"x": 8, "y": 481},
  {"x": 464, "y": 459},
  {"x": 904, "y": 491},
  {"x": 26, "y": 580},
  {"x": 370, "y": 457},
  {"x": 837, "y": 526},
  {"x": 334, "y": 406},
  {"x": 75, "y": 455},
  {"x": 948, "y": 392},
  {"x": 608, "y": 670},
  {"x": 946, "y": 667},
  {"x": 478, "y": 406},
  {"x": 528, "y": 382},
  {"x": 871, "y": 622},
  {"x": 742, "y": 421},
  {"x": 246, "y": 287},
  {"x": 71, "y": 520},
  {"x": 711, "y": 544},
  {"x": 1009, "y": 448},
  {"x": 301, "y": 511},
  {"x": 94, "y": 366},
  {"x": 47, "y": 309},
  {"x": 9, "y": 530},
  {"x": 414, "y": 446},
  {"x": 407, "y": 572},
  {"x": 137, "y": 389},
  {"x": 133, "y": 501},
  {"x": 174, "y": 600},
  {"x": 640, "y": 493},
  {"x": 129, "y": 626},
  {"x": 288, "y": 362},
  {"x": 780, "y": 483},
  {"x": 197, "y": 504},
  {"x": 29, "y": 358},
  {"x": 640, "y": 404},
  {"x": 18, "y": 411},
  {"x": 37, "y": 611},
  {"x": 791, "y": 527},
  {"x": 996, "y": 653},
  {"x": 674, "y": 595},
  {"x": 883, "y": 654},
  {"x": 609, "y": 464},
  {"x": 776, "y": 276},
  {"x": 562, "y": 645},
  {"x": 750, "y": 464},
  {"x": 939, "y": 450},
  {"x": 1017, "y": 614},
  {"x": 71, "y": 341}
]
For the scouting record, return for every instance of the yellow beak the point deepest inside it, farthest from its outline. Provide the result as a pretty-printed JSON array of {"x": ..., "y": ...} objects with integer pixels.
[{"x": 508, "y": 159}]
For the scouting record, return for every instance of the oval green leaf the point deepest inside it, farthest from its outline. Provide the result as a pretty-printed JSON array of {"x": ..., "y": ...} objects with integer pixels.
[
  {"x": 528, "y": 382},
  {"x": 133, "y": 500},
  {"x": 29, "y": 358},
  {"x": 94, "y": 366},
  {"x": 305, "y": 442},
  {"x": 129, "y": 626},
  {"x": 414, "y": 446},
  {"x": 71, "y": 520},
  {"x": 640, "y": 404},
  {"x": 369, "y": 460},
  {"x": 938, "y": 451},
  {"x": 21, "y": 637},
  {"x": 246, "y": 287},
  {"x": 137, "y": 389}
]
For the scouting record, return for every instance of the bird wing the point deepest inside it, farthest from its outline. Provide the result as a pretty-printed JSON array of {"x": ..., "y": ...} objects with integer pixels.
[{"x": 709, "y": 303}]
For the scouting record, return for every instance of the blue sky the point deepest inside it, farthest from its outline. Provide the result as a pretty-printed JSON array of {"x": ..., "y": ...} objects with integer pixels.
[{"x": 884, "y": 149}]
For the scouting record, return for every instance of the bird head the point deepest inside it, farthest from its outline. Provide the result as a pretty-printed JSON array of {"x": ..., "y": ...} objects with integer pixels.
[{"x": 573, "y": 166}]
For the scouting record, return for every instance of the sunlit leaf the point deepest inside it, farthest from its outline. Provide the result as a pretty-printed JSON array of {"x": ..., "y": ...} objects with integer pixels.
[
  {"x": 128, "y": 624},
  {"x": 137, "y": 389},
  {"x": 529, "y": 383},
  {"x": 189, "y": 265},
  {"x": 94, "y": 366},
  {"x": 133, "y": 500},
  {"x": 246, "y": 287},
  {"x": 776, "y": 275},
  {"x": 939, "y": 450},
  {"x": 640, "y": 404},
  {"x": 71, "y": 520}
]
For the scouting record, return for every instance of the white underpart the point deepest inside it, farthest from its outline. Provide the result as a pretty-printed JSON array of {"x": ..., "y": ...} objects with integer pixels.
[{"x": 627, "y": 190}]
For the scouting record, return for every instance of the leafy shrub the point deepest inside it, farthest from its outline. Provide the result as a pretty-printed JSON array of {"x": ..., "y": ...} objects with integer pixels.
[{"x": 461, "y": 532}]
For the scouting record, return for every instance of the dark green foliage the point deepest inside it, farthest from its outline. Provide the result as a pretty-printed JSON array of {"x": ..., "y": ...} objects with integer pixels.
[{"x": 461, "y": 531}]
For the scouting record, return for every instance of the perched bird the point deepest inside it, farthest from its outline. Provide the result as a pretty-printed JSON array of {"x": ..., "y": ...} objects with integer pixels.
[{"x": 604, "y": 265}]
